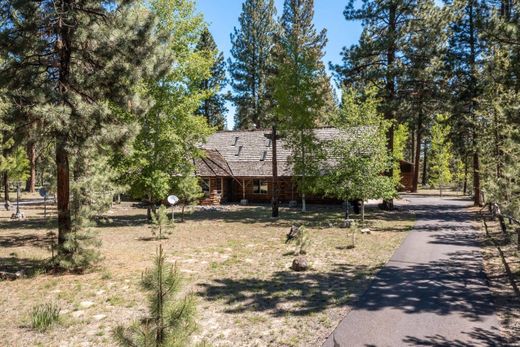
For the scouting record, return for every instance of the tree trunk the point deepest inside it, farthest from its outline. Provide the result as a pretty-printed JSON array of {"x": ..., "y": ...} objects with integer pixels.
[
  {"x": 417, "y": 159},
  {"x": 390, "y": 92},
  {"x": 477, "y": 200},
  {"x": 63, "y": 191},
  {"x": 425, "y": 164},
  {"x": 31, "y": 154},
  {"x": 465, "y": 188},
  {"x": 363, "y": 212},
  {"x": 7, "y": 204}
]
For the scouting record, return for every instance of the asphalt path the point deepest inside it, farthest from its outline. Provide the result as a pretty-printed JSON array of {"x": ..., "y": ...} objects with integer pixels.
[{"x": 432, "y": 292}]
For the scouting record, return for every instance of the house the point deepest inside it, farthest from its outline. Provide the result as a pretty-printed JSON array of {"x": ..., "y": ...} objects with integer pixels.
[{"x": 238, "y": 166}]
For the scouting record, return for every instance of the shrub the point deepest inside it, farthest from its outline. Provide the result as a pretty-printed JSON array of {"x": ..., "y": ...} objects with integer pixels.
[
  {"x": 44, "y": 316},
  {"x": 79, "y": 252},
  {"x": 171, "y": 319},
  {"x": 161, "y": 224}
]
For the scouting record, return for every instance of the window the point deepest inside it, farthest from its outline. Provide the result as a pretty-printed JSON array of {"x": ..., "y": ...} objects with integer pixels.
[
  {"x": 260, "y": 187},
  {"x": 204, "y": 183}
]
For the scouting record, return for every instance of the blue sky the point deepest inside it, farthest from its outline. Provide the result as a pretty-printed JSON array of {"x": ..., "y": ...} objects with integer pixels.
[{"x": 222, "y": 17}]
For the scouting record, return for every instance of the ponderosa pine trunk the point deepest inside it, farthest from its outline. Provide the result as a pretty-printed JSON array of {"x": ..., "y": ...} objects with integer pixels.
[
  {"x": 417, "y": 159},
  {"x": 63, "y": 190},
  {"x": 31, "y": 154},
  {"x": 424, "y": 180},
  {"x": 477, "y": 199},
  {"x": 465, "y": 188},
  {"x": 390, "y": 93},
  {"x": 7, "y": 204},
  {"x": 64, "y": 33}
]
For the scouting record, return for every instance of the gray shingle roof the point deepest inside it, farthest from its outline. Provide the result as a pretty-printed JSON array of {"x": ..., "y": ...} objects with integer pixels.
[{"x": 249, "y": 153}]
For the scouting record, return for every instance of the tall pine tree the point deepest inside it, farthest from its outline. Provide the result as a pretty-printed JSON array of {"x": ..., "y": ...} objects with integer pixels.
[
  {"x": 86, "y": 58},
  {"x": 465, "y": 53},
  {"x": 213, "y": 107},
  {"x": 251, "y": 65}
]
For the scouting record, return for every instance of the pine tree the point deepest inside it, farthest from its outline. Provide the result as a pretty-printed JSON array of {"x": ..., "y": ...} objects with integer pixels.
[
  {"x": 171, "y": 321},
  {"x": 251, "y": 65},
  {"x": 377, "y": 58},
  {"x": 423, "y": 80},
  {"x": 299, "y": 89},
  {"x": 213, "y": 106},
  {"x": 87, "y": 64},
  {"x": 464, "y": 59}
]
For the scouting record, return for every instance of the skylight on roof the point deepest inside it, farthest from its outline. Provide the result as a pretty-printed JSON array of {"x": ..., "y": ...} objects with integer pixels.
[
  {"x": 239, "y": 150},
  {"x": 264, "y": 155},
  {"x": 236, "y": 141}
]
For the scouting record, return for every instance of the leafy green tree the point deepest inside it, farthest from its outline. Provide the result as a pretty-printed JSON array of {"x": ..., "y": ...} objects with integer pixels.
[
  {"x": 170, "y": 133},
  {"x": 377, "y": 60},
  {"x": 171, "y": 320},
  {"x": 400, "y": 140},
  {"x": 441, "y": 153},
  {"x": 251, "y": 65},
  {"x": 213, "y": 106},
  {"x": 299, "y": 89},
  {"x": 361, "y": 153}
]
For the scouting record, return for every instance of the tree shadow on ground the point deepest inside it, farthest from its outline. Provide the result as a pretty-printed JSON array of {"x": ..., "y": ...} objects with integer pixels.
[
  {"x": 288, "y": 292},
  {"x": 29, "y": 267},
  {"x": 484, "y": 337},
  {"x": 456, "y": 284},
  {"x": 29, "y": 223},
  {"x": 31, "y": 240}
]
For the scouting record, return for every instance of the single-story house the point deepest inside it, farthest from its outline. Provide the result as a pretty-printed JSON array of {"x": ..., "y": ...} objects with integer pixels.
[{"x": 238, "y": 165}]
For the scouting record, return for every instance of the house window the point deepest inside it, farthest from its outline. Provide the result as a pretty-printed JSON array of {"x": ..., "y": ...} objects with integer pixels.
[
  {"x": 260, "y": 187},
  {"x": 204, "y": 183}
]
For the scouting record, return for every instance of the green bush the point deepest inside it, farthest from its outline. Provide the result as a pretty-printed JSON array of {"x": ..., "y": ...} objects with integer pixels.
[
  {"x": 171, "y": 318},
  {"x": 44, "y": 316}
]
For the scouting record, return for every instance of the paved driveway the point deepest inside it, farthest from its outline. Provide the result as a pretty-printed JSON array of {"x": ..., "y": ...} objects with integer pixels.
[{"x": 432, "y": 292}]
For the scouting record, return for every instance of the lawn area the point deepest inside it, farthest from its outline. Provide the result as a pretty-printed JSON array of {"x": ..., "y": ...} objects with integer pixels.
[{"x": 234, "y": 259}]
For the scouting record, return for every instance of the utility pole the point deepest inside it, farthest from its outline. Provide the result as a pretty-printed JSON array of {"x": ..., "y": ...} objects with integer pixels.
[{"x": 275, "y": 199}]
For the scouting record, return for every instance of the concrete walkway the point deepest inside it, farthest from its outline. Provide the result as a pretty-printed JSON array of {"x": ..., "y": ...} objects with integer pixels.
[{"x": 432, "y": 292}]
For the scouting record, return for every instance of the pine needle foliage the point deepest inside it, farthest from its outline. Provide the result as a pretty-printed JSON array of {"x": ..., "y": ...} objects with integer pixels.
[
  {"x": 171, "y": 320},
  {"x": 161, "y": 223}
]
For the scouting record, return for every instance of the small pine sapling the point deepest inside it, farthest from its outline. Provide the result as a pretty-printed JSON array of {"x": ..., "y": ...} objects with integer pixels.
[
  {"x": 161, "y": 224},
  {"x": 171, "y": 320}
]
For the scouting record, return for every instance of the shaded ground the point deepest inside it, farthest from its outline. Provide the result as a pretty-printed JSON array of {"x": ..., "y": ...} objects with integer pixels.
[
  {"x": 433, "y": 291},
  {"x": 507, "y": 302},
  {"x": 233, "y": 258}
]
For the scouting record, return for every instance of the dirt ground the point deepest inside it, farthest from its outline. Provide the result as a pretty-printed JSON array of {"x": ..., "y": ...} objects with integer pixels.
[
  {"x": 234, "y": 259},
  {"x": 506, "y": 301}
]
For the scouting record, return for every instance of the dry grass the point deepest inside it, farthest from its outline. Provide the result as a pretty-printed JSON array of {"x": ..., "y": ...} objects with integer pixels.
[
  {"x": 508, "y": 305},
  {"x": 234, "y": 259}
]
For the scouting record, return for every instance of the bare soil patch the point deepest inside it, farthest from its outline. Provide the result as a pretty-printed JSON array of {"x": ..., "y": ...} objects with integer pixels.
[
  {"x": 234, "y": 258},
  {"x": 507, "y": 303}
]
